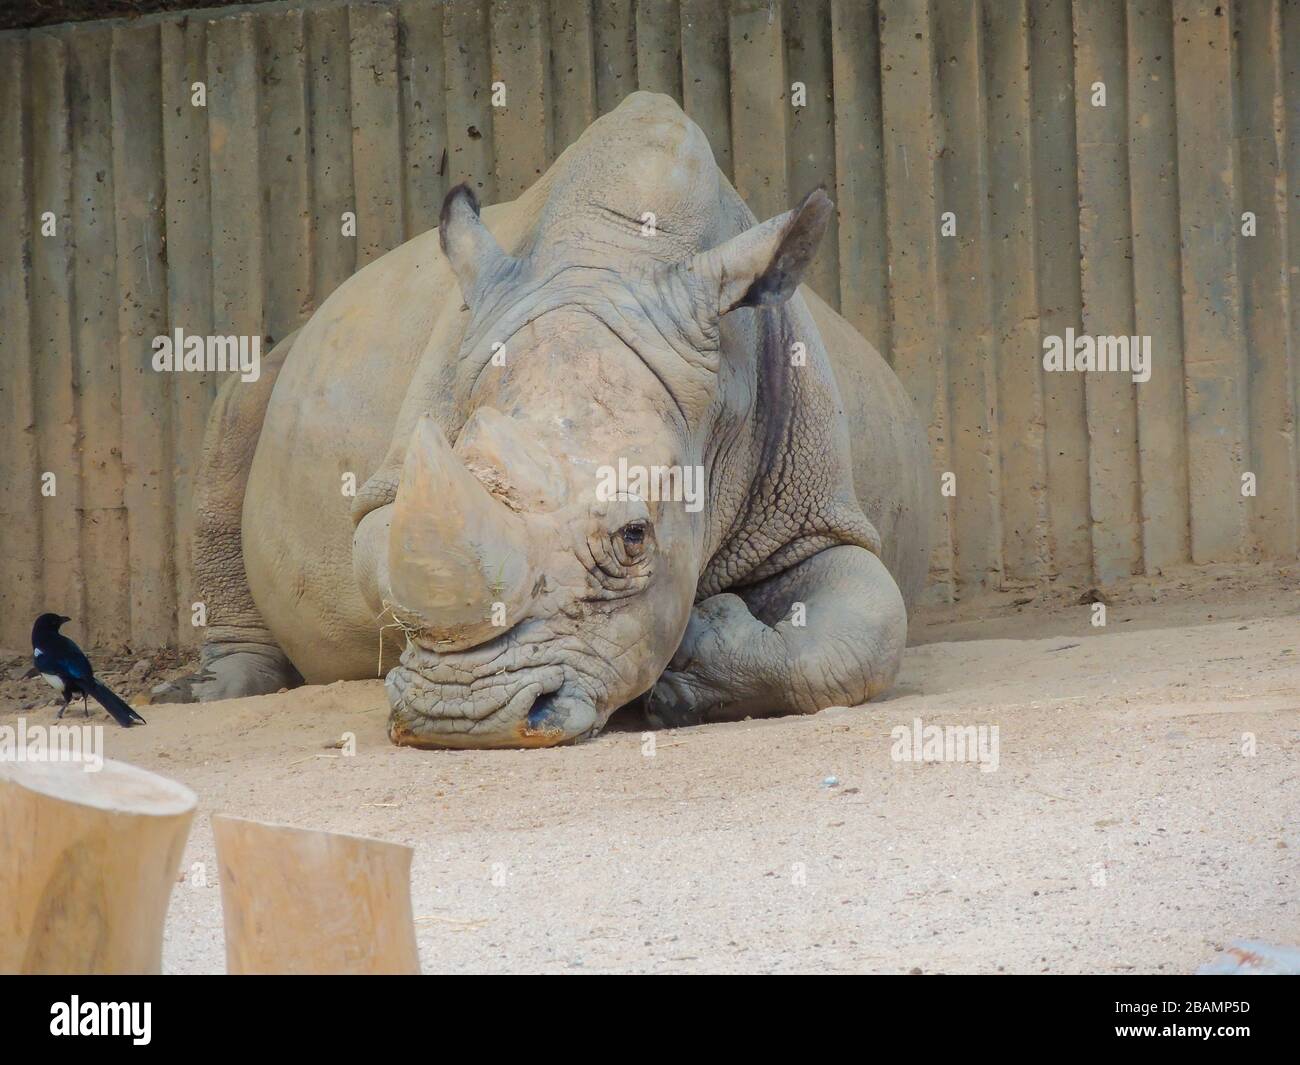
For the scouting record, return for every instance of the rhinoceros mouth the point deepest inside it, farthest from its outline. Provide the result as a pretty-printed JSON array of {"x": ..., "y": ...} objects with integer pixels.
[{"x": 438, "y": 701}]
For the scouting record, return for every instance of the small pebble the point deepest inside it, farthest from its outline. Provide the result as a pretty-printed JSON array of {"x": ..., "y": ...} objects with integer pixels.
[{"x": 831, "y": 782}]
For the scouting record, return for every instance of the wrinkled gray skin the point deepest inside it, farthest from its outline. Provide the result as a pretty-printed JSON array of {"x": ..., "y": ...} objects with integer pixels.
[{"x": 531, "y": 607}]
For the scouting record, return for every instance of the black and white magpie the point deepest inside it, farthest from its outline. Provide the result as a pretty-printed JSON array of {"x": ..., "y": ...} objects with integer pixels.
[{"x": 68, "y": 672}]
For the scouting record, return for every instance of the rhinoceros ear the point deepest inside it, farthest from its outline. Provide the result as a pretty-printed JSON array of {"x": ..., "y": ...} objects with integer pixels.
[
  {"x": 472, "y": 251},
  {"x": 764, "y": 265}
]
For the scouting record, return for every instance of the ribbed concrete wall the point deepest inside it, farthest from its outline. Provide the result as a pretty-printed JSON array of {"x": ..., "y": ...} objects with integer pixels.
[{"x": 1118, "y": 219}]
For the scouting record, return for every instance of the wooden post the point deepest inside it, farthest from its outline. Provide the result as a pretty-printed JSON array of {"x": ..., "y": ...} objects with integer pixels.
[
  {"x": 306, "y": 902},
  {"x": 90, "y": 859}
]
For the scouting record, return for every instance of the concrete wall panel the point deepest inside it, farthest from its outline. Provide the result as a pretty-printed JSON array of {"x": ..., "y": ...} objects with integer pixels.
[{"x": 1121, "y": 217}]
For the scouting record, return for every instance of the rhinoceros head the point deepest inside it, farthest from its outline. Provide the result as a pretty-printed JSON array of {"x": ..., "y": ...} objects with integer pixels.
[{"x": 545, "y": 565}]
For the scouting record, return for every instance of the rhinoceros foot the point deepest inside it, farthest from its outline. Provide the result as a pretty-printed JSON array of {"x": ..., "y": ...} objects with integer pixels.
[
  {"x": 707, "y": 673},
  {"x": 675, "y": 703},
  {"x": 231, "y": 674}
]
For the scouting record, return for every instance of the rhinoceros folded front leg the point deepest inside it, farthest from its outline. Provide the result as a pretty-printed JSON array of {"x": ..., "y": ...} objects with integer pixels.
[{"x": 827, "y": 632}]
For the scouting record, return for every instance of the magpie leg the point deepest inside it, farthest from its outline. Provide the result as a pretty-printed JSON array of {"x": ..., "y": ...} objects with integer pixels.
[
  {"x": 66, "y": 699},
  {"x": 85, "y": 702}
]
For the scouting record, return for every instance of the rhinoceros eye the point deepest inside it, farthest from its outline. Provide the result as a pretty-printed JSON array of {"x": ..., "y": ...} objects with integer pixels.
[
  {"x": 621, "y": 556},
  {"x": 632, "y": 536}
]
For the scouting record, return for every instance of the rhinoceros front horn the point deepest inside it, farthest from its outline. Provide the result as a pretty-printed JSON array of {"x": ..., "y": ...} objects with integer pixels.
[{"x": 458, "y": 559}]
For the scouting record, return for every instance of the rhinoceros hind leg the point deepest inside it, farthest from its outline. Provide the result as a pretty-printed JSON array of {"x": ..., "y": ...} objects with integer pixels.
[
  {"x": 239, "y": 655},
  {"x": 227, "y": 672},
  {"x": 827, "y": 632}
]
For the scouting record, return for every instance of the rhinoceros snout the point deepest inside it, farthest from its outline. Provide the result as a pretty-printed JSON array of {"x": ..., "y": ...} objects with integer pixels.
[{"x": 459, "y": 701}]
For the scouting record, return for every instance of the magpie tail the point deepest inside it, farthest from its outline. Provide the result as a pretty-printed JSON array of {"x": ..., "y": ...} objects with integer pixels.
[{"x": 115, "y": 705}]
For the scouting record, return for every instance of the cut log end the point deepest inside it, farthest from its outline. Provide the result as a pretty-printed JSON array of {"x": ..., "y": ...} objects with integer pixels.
[
  {"x": 306, "y": 902},
  {"x": 90, "y": 862}
]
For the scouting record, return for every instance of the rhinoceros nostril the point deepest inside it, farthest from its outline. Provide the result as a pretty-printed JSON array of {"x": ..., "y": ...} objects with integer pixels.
[{"x": 543, "y": 706}]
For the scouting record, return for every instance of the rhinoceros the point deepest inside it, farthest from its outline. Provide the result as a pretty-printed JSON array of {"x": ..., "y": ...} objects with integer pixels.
[{"x": 606, "y": 450}]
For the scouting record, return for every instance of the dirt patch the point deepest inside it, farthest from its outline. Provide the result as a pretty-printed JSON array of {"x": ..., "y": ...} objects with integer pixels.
[
  {"x": 131, "y": 674},
  {"x": 1128, "y": 827},
  {"x": 1181, "y": 596}
]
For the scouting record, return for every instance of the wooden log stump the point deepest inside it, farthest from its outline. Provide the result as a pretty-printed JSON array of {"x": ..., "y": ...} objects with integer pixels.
[
  {"x": 307, "y": 902},
  {"x": 87, "y": 865}
]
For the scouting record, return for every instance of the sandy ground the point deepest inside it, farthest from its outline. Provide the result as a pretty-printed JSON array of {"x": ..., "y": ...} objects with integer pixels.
[{"x": 1124, "y": 829}]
